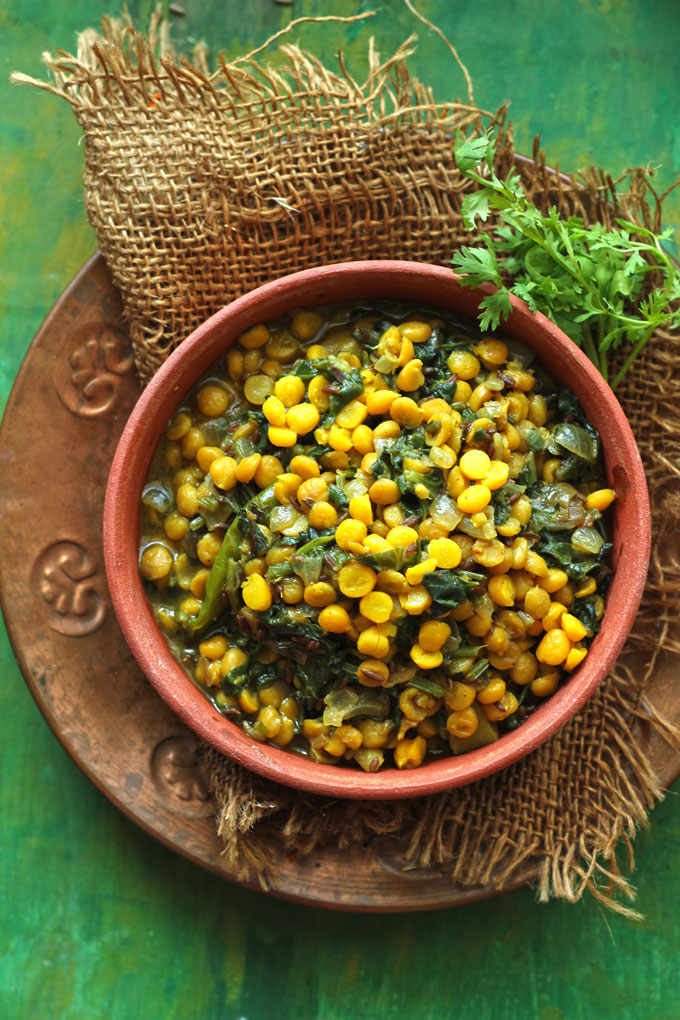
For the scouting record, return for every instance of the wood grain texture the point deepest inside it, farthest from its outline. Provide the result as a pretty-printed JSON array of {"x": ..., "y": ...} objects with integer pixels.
[{"x": 102, "y": 920}]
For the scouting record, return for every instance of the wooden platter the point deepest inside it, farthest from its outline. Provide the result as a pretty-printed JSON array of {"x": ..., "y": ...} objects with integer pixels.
[{"x": 71, "y": 399}]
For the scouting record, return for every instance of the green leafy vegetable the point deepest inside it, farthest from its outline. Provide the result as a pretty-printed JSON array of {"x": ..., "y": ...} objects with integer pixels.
[
  {"x": 478, "y": 670},
  {"x": 603, "y": 287},
  {"x": 534, "y": 440},
  {"x": 345, "y": 383},
  {"x": 569, "y": 407},
  {"x": 586, "y": 610},
  {"x": 320, "y": 658},
  {"x": 224, "y": 575},
  {"x": 527, "y": 475},
  {"x": 413, "y": 481},
  {"x": 388, "y": 559},
  {"x": 562, "y": 553},
  {"x": 307, "y": 562},
  {"x": 449, "y": 588},
  {"x": 556, "y": 507},
  {"x": 574, "y": 439},
  {"x": 337, "y": 497}
]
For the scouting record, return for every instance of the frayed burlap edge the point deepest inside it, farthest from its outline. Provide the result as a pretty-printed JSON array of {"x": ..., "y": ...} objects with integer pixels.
[
  {"x": 251, "y": 171},
  {"x": 569, "y": 805}
]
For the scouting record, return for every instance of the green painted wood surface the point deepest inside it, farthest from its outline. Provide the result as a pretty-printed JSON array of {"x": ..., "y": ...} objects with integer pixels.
[{"x": 99, "y": 920}]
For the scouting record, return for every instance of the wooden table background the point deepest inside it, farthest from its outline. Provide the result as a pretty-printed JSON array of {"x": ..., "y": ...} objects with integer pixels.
[{"x": 100, "y": 921}]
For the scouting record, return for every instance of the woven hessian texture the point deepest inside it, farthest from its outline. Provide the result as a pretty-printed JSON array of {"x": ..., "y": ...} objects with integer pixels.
[{"x": 201, "y": 187}]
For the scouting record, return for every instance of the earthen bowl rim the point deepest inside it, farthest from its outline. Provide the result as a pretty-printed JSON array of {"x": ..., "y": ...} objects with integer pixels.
[{"x": 429, "y": 285}]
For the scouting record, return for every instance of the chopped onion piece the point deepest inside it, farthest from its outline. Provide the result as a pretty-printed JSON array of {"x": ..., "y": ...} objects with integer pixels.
[
  {"x": 297, "y": 527},
  {"x": 587, "y": 540},
  {"x": 356, "y": 486},
  {"x": 282, "y": 517},
  {"x": 348, "y": 703},
  {"x": 441, "y": 457},
  {"x": 445, "y": 512}
]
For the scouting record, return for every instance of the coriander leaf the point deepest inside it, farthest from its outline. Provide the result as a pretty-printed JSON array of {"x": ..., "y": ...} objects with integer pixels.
[
  {"x": 591, "y": 281},
  {"x": 470, "y": 152},
  {"x": 494, "y": 307},
  {"x": 525, "y": 291},
  {"x": 478, "y": 265},
  {"x": 474, "y": 204}
]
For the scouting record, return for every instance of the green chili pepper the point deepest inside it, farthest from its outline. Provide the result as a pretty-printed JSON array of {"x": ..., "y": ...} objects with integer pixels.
[
  {"x": 314, "y": 543},
  {"x": 222, "y": 574}
]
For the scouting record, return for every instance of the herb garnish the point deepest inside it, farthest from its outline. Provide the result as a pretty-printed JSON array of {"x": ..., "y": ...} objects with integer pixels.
[{"x": 592, "y": 282}]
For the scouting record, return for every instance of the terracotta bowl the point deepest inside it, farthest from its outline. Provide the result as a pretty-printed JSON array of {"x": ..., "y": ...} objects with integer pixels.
[{"x": 427, "y": 284}]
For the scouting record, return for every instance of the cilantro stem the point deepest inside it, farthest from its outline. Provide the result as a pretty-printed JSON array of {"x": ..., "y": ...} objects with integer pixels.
[
  {"x": 603, "y": 366},
  {"x": 601, "y": 357},
  {"x": 632, "y": 356},
  {"x": 589, "y": 347}
]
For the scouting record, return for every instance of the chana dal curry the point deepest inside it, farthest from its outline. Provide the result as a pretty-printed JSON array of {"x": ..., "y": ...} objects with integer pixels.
[{"x": 374, "y": 535}]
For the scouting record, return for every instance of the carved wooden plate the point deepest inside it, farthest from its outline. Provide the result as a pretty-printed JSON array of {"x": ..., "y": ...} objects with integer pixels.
[{"x": 71, "y": 399}]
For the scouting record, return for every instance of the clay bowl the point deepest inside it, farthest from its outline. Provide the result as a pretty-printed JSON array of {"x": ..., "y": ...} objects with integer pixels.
[{"x": 427, "y": 284}]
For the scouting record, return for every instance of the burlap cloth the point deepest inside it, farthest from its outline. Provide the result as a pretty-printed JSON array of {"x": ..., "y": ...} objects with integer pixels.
[{"x": 202, "y": 186}]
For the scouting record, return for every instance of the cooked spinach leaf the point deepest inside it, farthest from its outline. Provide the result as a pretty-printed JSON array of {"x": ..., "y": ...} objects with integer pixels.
[
  {"x": 527, "y": 475},
  {"x": 562, "y": 553},
  {"x": 501, "y": 501},
  {"x": 389, "y": 559},
  {"x": 555, "y": 507},
  {"x": 337, "y": 497},
  {"x": 534, "y": 440},
  {"x": 424, "y": 486},
  {"x": 585, "y": 610},
  {"x": 345, "y": 383},
  {"x": 449, "y": 588},
  {"x": 569, "y": 407}
]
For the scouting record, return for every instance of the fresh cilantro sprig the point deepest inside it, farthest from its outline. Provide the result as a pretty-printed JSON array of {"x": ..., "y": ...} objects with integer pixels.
[{"x": 602, "y": 287}]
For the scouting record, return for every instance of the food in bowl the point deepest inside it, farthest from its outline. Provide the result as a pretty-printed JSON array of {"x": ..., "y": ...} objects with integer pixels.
[{"x": 372, "y": 535}]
